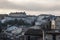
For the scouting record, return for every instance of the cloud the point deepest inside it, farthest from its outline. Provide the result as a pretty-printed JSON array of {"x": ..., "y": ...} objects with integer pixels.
[{"x": 29, "y": 6}]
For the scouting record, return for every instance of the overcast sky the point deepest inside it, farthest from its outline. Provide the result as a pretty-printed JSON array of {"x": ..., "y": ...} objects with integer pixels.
[{"x": 32, "y": 7}]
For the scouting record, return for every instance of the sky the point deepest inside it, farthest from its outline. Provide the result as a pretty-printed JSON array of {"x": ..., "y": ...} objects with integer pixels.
[{"x": 31, "y": 7}]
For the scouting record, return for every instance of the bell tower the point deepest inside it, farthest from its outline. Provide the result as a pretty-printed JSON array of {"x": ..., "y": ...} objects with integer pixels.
[{"x": 53, "y": 24}]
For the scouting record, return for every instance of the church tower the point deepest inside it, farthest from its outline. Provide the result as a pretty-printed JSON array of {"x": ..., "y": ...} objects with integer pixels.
[{"x": 53, "y": 24}]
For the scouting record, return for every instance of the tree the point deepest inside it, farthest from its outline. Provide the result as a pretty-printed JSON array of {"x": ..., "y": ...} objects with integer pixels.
[
  {"x": 12, "y": 22},
  {"x": 22, "y": 22},
  {"x": 46, "y": 26},
  {"x": 0, "y": 26}
]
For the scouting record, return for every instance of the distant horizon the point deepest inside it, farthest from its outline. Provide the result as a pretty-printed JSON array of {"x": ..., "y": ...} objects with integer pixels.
[{"x": 27, "y": 13}]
